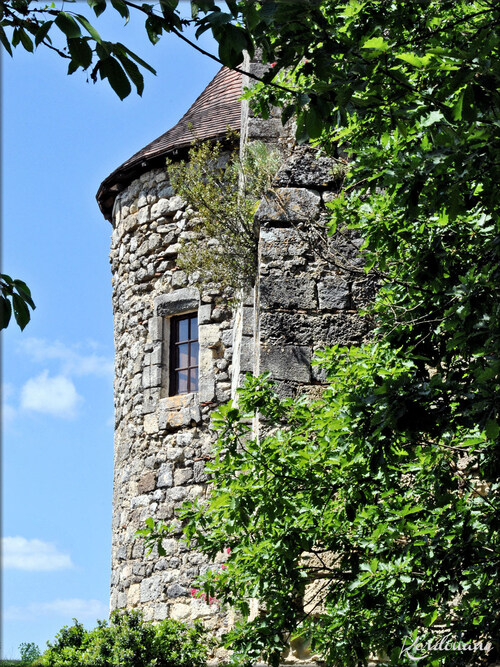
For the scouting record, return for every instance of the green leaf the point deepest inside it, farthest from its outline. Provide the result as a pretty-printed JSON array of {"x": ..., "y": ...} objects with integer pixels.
[
  {"x": 135, "y": 57},
  {"x": 432, "y": 118},
  {"x": 67, "y": 24},
  {"x": 5, "y": 42},
  {"x": 232, "y": 43},
  {"x": 110, "y": 69},
  {"x": 26, "y": 40},
  {"x": 21, "y": 311},
  {"x": 89, "y": 28},
  {"x": 81, "y": 53},
  {"x": 24, "y": 291},
  {"x": 42, "y": 32},
  {"x": 122, "y": 9},
  {"x": 132, "y": 71},
  {"x": 492, "y": 429},
  {"x": 313, "y": 123},
  {"x": 97, "y": 5},
  {"x": 458, "y": 106},
  {"x": 430, "y": 618},
  {"x": 5, "y": 312},
  {"x": 411, "y": 59},
  {"x": 287, "y": 113},
  {"x": 377, "y": 43}
]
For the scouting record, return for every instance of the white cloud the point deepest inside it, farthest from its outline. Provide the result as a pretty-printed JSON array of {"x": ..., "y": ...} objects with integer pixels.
[
  {"x": 18, "y": 553},
  {"x": 69, "y": 608},
  {"x": 55, "y": 396},
  {"x": 72, "y": 361}
]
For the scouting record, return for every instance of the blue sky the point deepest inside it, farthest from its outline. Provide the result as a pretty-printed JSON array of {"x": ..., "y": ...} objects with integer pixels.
[{"x": 61, "y": 137}]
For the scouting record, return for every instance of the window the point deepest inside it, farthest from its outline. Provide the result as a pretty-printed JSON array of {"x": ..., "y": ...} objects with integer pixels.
[{"x": 183, "y": 354}]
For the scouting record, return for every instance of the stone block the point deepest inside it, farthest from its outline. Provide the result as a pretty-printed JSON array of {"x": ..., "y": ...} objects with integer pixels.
[
  {"x": 160, "y": 611},
  {"x": 150, "y": 399},
  {"x": 176, "y": 591},
  {"x": 166, "y": 192},
  {"x": 156, "y": 355},
  {"x": 263, "y": 130},
  {"x": 182, "y": 475},
  {"x": 276, "y": 243},
  {"x": 174, "y": 453},
  {"x": 151, "y": 588},
  {"x": 172, "y": 250},
  {"x": 364, "y": 291},
  {"x": 247, "y": 320},
  {"x": 199, "y": 471},
  {"x": 165, "y": 207},
  {"x": 133, "y": 595},
  {"x": 179, "y": 611},
  {"x": 209, "y": 334},
  {"x": 292, "y": 362},
  {"x": 122, "y": 600},
  {"x": 179, "y": 279},
  {"x": 151, "y": 377},
  {"x": 165, "y": 478},
  {"x": 204, "y": 313},
  {"x": 247, "y": 354},
  {"x": 206, "y": 388},
  {"x": 143, "y": 215},
  {"x": 333, "y": 293},
  {"x": 286, "y": 291},
  {"x": 147, "y": 482},
  {"x": 151, "y": 424},
  {"x": 177, "y": 493},
  {"x": 289, "y": 205},
  {"x": 304, "y": 168},
  {"x": 156, "y": 329},
  {"x": 182, "y": 300},
  {"x": 154, "y": 240}
]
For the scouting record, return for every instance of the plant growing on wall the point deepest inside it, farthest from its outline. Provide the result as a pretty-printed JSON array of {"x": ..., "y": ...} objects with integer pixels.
[{"x": 224, "y": 190}]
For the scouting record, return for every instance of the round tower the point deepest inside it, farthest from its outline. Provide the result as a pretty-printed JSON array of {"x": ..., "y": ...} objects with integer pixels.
[{"x": 173, "y": 361}]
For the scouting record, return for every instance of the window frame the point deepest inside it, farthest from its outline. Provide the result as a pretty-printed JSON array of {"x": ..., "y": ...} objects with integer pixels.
[{"x": 174, "y": 343}]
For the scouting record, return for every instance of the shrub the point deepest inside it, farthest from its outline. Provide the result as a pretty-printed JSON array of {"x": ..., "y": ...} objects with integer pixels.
[
  {"x": 29, "y": 652},
  {"x": 128, "y": 640},
  {"x": 225, "y": 191}
]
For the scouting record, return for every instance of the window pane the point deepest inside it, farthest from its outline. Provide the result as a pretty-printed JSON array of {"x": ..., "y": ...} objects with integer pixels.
[
  {"x": 193, "y": 334},
  {"x": 182, "y": 382},
  {"x": 182, "y": 356},
  {"x": 193, "y": 359},
  {"x": 194, "y": 379},
  {"x": 183, "y": 330}
]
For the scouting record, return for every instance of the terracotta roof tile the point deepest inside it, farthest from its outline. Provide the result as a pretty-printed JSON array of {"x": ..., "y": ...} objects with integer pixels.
[{"x": 217, "y": 108}]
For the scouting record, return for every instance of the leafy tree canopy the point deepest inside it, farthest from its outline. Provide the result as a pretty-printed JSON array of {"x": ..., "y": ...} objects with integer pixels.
[{"x": 373, "y": 515}]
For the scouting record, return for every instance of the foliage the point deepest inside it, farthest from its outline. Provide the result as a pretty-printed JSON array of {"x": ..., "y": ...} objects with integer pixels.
[
  {"x": 355, "y": 521},
  {"x": 224, "y": 190},
  {"x": 384, "y": 495},
  {"x": 19, "y": 293},
  {"x": 29, "y": 652},
  {"x": 128, "y": 640}
]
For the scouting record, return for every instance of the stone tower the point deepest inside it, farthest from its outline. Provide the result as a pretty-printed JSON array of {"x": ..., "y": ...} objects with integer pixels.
[{"x": 179, "y": 354}]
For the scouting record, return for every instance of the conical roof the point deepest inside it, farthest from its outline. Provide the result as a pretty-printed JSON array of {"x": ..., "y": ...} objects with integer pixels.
[{"x": 209, "y": 117}]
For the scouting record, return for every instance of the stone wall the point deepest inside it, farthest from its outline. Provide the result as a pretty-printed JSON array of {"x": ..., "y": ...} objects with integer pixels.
[
  {"x": 161, "y": 442},
  {"x": 311, "y": 286}
]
